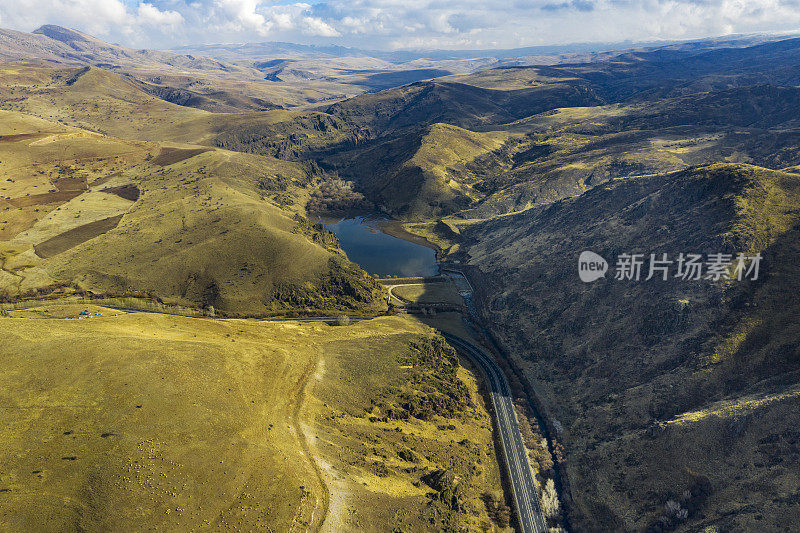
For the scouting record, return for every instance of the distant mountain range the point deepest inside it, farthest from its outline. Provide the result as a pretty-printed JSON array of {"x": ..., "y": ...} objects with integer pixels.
[
  {"x": 54, "y": 43},
  {"x": 301, "y": 74},
  {"x": 304, "y": 51}
]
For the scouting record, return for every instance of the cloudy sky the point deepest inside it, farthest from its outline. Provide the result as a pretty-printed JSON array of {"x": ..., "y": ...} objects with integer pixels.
[{"x": 393, "y": 24}]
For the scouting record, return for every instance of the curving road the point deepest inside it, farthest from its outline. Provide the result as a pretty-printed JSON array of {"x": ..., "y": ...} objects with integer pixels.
[{"x": 523, "y": 484}]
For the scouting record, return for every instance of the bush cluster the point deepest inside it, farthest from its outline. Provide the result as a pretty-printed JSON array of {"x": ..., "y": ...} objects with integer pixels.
[
  {"x": 337, "y": 196},
  {"x": 497, "y": 509}
]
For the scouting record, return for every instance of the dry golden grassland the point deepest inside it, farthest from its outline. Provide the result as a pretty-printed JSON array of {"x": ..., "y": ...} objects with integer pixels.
[
  {"x": 98, "y": 100},
  {"x": 151, "y": 421},
  {"x": 506, "y": 79},
  {"x": 439, "y": 170},
  {"x": 123, "y": 218},
  {"x": 138, "y": 421},
  {"x": 376, "y": 462},
  {"x": 109, "y": 103}
]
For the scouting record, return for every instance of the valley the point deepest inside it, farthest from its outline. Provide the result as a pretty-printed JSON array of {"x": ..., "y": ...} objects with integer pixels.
[{"x": 432, "y": 212}]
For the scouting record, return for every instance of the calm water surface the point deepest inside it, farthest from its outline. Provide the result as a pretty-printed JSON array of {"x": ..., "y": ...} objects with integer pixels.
[{"x": 378, "y": 253}]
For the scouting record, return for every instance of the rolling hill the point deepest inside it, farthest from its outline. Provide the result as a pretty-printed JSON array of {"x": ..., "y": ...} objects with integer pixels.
[
  {"x": 568, "y": 127},
  {"x": 373, "y": 139},
  {"x": 117, "y": 217},
  {"x": 125, "y": 421},
  {"x": 253, "y": 77}
]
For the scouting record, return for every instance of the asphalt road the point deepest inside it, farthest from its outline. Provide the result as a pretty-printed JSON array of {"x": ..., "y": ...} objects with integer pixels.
[{"x": 523, "y": 484}]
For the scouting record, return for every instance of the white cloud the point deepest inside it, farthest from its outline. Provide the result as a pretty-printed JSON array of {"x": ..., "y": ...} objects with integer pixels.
[
  {"x": 243, "y": 13},
  {"x": 102, "y": 18},
  {"x": 316, "y": 26},
  {"x": 149, "y": 14},
  {"x": 404, "y": 23}
]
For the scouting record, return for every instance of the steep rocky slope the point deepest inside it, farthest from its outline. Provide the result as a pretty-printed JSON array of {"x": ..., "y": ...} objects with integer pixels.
[{"x": 661, "y": 386}]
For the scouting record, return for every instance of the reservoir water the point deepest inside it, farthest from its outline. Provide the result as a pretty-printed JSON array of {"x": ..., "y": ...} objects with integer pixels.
[{"x": 379, "y": 253}]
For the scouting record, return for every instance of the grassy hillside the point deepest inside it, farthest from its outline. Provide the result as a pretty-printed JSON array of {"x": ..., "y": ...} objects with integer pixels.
[
  {"x": 430, "y": 178},
  {"x": 568, "y": 151},
  {"x": 119, "y": 218},
  {"x": 675, "y": 400},
  {"x": 183, "y": 79},
  {"x": 404, "y": 436},
  {"x": 127, "y": 421},
  {"x": 432, "y": 149},
  {"x": 560, "y": 140},
  {"x": 150, "y": 420},
  {"x": 673, "y": 72},
  {"x": 90, "y": 98},
  {"x": 661, "y": 386},
  {"x": 460, "y": 104},
  {"x": 373, "y": 139},
  {"x": 672, "y": 108}
]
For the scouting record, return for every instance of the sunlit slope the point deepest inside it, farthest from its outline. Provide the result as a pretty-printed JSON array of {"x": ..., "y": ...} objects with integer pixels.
[
  {"x": 403, "y": 436},
  {"x": 561, "y": 137},
  {"x": 243, "y": 77},
  {"x": 429, "y": 176},
  {"x": 570, "y": 150},
  {"x": 113, "y": 104},
  {"x": 124, "y": 422},
  {"x": 90, "y": 98},
  {"x": 137, "y": 421},
  {"x": 185, "y": 224},
  {"x": 684, "y": 382},
  {"x": 53, "y": 43},
  {"x": 55, "y": 179},
  {"x": 186, "y": 80},
  {"x": 374, "y": 139}
]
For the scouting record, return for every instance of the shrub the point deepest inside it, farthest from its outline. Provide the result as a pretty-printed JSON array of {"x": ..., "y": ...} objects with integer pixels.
[{"x": 497, "y": 509}]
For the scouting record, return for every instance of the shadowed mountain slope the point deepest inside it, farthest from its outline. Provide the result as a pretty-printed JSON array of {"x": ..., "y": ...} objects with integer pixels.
[
  {"x": 563, "y": 139},
  {"x": 682, "y": 382},
  {"x": 670, "y": 73}
]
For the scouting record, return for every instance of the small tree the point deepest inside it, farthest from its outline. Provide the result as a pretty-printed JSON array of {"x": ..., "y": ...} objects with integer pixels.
[
  {"x": 550, "y": 504},
  {"x": 209, "y": 296},
  {"x": 342, "y": 320}
]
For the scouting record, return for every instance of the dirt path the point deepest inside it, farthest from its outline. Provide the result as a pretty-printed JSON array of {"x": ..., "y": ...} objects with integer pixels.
[{"x": 319, "y": 513}]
